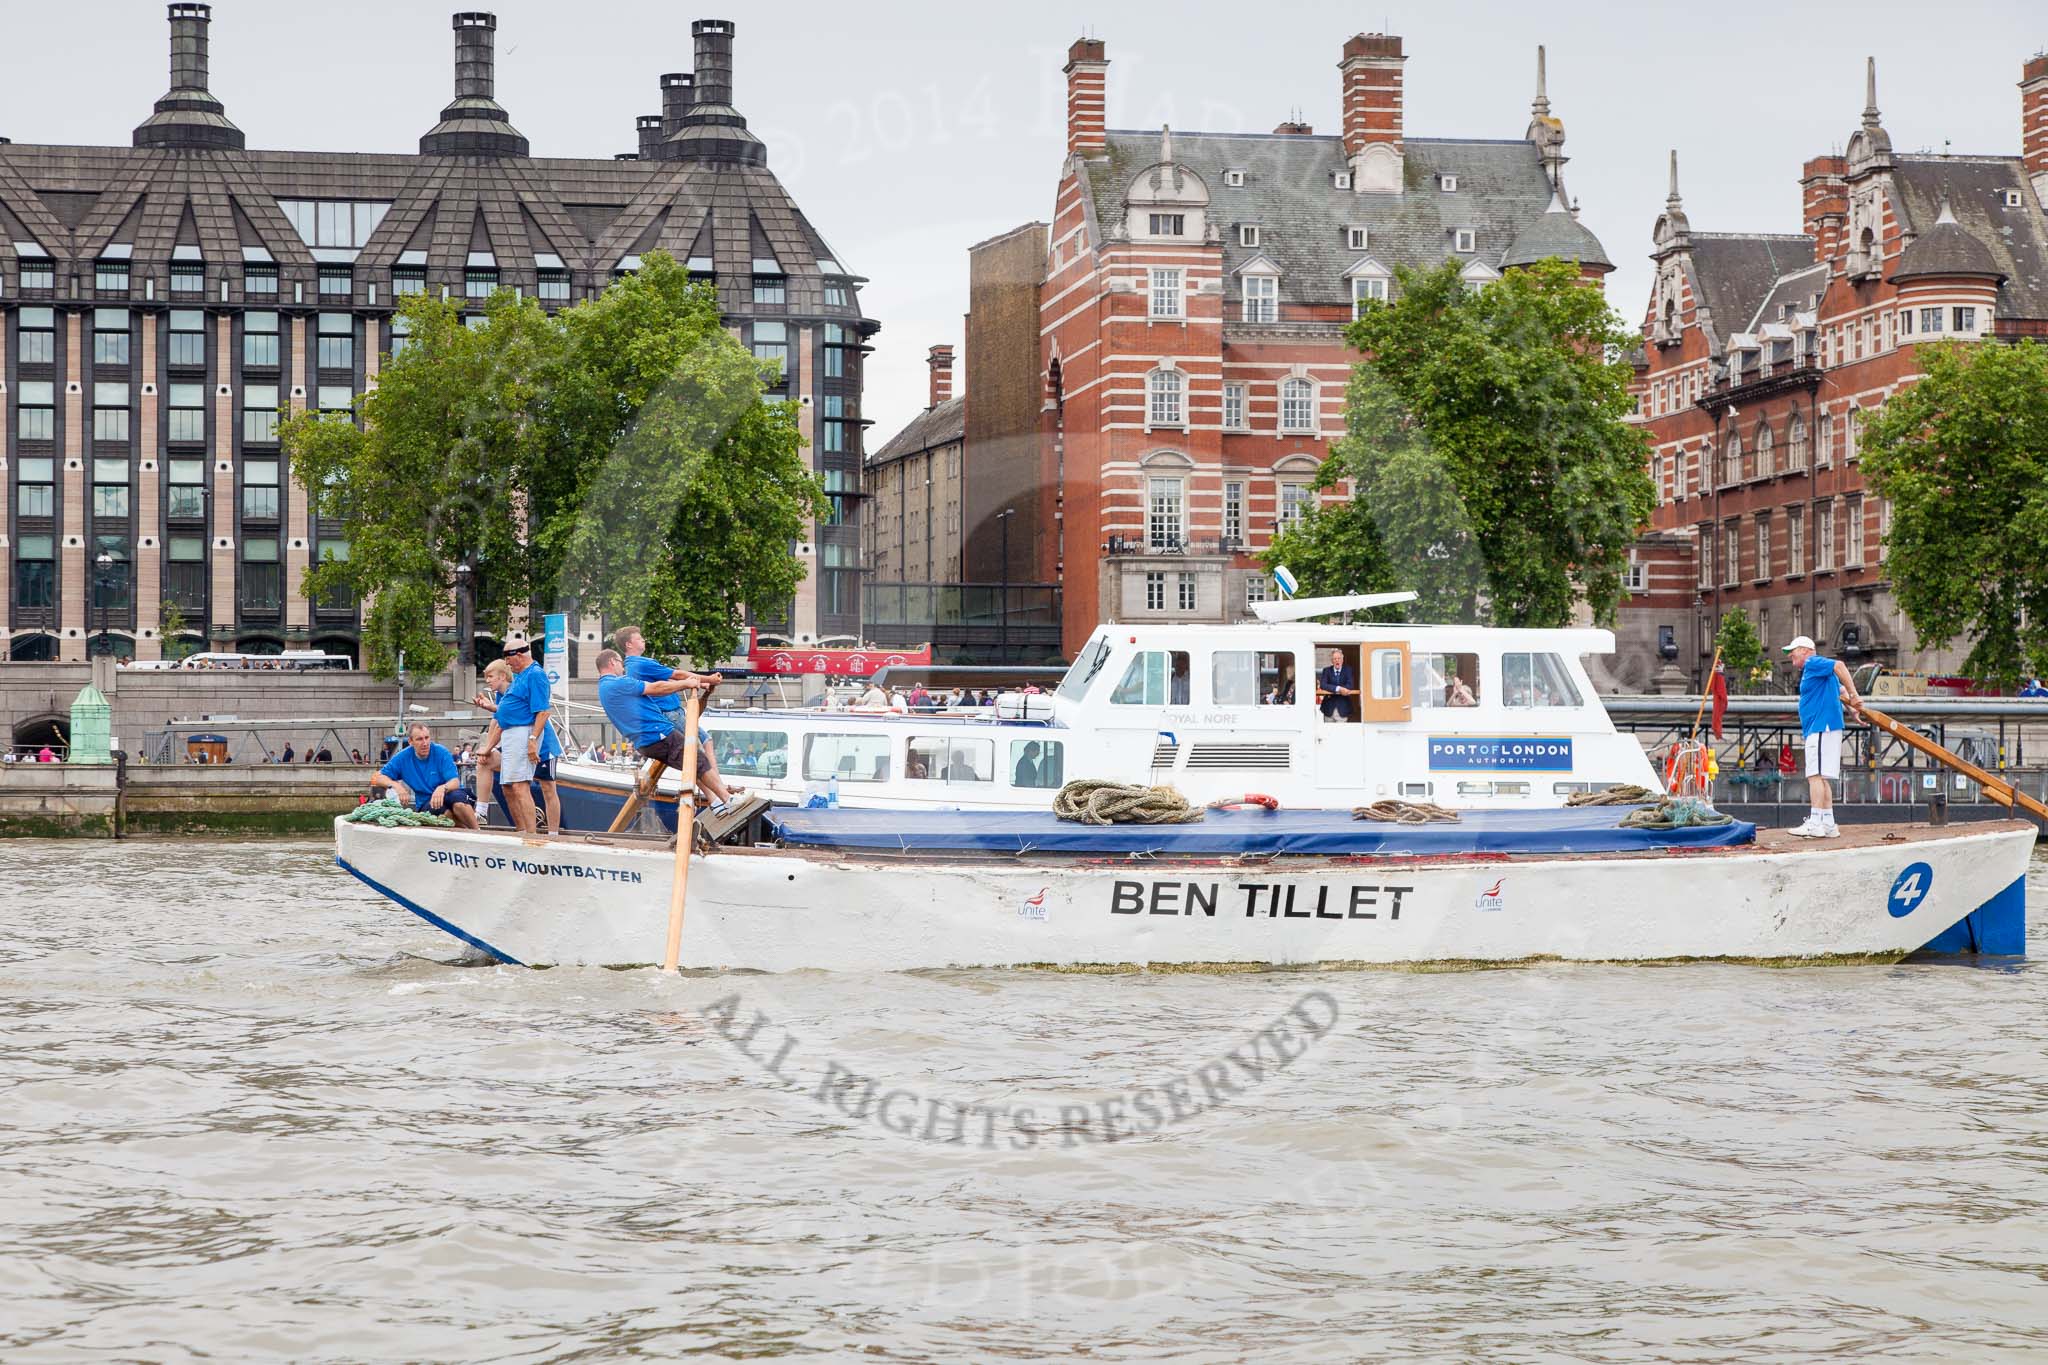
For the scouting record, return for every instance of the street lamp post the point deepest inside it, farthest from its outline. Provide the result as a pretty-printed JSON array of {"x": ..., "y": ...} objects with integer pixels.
[
  {"x": 465, "y": 627},
  {"x": 1003, "y": 601}
]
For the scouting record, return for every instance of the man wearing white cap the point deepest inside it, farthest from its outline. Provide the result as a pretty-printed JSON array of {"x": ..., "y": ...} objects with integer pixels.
[{"x": 1824, "y": 684}]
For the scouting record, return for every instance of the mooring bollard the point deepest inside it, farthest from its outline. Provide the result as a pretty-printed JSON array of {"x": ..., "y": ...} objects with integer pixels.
[{"x": 1937, "y": 807}]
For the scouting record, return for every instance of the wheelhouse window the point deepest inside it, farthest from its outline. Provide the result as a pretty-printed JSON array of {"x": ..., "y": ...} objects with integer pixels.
[
  {"x": 1444, "y": 680},
  {"x": 1094, "y": 655},
  {"x": 950, "y": 760},
  {"x": 1536, "y": 680},
  {"x": 751, "y": 753},
  {"x": 1038, "y": 764},
  {"x": 850, "y": 758},
  {"x": 1155, "y": 677},
  {"x": 1234, "y": 677}
]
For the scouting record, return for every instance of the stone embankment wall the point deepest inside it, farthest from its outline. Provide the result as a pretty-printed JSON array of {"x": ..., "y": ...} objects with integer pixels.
[{"x": 65, "y": 799}]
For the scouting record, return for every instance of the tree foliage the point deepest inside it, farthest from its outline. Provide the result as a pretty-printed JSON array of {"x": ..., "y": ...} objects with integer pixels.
[
  {"x": 1963, "y": 458},
  {"x": 1489, "y": 462},
  {"x": 1742, "y": 649},
  {"x": 617, "y": 458}
]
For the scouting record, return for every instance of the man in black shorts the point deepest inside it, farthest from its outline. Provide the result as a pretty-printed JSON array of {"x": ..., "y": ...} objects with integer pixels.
[{"x": 629, "y": 703}]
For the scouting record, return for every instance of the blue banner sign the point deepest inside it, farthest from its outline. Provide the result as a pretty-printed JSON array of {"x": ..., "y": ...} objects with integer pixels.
[
  {"x": 1500, "y": 754},
  {"x": 555, "y": 640}
]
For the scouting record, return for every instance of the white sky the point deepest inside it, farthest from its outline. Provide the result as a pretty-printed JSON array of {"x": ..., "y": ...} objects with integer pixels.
[{"x": 908, "y": 131}]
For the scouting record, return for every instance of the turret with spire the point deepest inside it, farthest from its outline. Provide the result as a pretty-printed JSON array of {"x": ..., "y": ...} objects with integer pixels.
[
  {"x": 1673, "y": 231},
  {"x": 1870, "y": 147},
  {"x": 1546, "y": 132}
]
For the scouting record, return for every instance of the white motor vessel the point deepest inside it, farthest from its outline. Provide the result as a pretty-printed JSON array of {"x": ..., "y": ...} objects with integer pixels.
[{"x": 1469, "y": 717}]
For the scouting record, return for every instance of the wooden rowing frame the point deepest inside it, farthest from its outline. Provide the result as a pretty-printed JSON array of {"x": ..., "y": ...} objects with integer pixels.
[{"x": 1995, "y": 787}]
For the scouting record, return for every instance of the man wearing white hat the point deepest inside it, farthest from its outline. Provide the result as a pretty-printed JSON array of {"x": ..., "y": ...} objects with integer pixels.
[{"x": 1824, "y": 684}]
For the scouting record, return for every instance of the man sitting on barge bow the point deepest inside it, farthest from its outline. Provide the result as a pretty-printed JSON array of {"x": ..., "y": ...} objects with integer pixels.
[
  {"x": 422, "y": 775},
  {"x": 1824, "y": 684},
  {"x": 632, "y": 706}
]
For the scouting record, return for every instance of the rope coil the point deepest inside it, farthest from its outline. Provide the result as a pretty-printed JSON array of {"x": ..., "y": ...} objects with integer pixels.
[
  {"x": 389, "y": 814},
  {"x": 1679, "y": 812},
  {"x": 1405, "y": 813},
  {"x": 1091, "y": 801},
  {"x": 1628, "y": 794}
]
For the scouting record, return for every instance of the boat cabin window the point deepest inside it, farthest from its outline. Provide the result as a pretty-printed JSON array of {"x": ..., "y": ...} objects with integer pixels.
[
  {"x": 1093, "y": 656},
  {"x": 950, "y": 760},
  {"x": 1532, "y": 680},
  {"x": 1386, "y": 674},
  {"x": 1277, "y": 673},
  {"x": 850, "y": 758},
  {"x": 1156, "y": 677},
  {"x": 1234, "y": 677},
  {"x": 751, "y": 753},
  {"x": 1445, "y": 679},
  {"x": 1037, "y": 763},
  {"x": 1336, "y": 679}
]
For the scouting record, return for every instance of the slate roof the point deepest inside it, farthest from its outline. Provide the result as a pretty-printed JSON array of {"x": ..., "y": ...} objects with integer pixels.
[
  {"x": 1557, "y": 234},
  {"x": 1733, "y": 273},
  {"x": 1800, "y": 290},
  {"x": 2014, "y": 238},
  {"x": 929, "y": 430},
  {"x": 1289, "y": 192},
  {"x": 590, "y": 213}
]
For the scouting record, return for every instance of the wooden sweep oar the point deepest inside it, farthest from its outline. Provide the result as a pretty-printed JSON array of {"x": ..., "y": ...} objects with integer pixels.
[
  {"x": 686, "y": 833},
  {"x": 643, "y": 791},
  {"x": 1995, "y": 787}
]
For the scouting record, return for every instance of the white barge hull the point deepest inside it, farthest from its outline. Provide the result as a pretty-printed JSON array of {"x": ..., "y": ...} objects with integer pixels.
[{"x": 576, "y": 902}]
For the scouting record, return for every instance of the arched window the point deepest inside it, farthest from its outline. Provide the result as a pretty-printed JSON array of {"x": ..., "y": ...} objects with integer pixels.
[
  {"x": 1297, "y": 405},
  {"x": 1167, "y": 391},
  {"x": 1732, "y": 472},
  {"x": 1796, "y": 443},
  {"x": 1764, "y": 453},
  {"x": 1824, "y": 456}
]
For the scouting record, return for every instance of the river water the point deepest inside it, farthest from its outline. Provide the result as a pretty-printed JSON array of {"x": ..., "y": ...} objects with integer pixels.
[{"x": 248, "y": 1114}]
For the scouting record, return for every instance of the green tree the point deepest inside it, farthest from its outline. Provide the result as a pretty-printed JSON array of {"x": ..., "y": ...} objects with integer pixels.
[
  {"x": 1490, "y": 464},
  {"x": 1963, "y": 458},
  {"x": 432, "y": 477},
  {"x": 170, "y": 629},
  {"x": 1742, "y": 650},
  {"x": 665, "y": 490},
  {"x": 618, "y": 457}
]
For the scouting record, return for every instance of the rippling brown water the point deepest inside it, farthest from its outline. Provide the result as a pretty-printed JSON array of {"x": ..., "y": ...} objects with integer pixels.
[{"x": 242, "y": 1119}]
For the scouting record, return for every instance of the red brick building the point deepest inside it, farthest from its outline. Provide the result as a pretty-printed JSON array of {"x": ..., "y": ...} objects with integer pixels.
[
  {"x": 1762, "y": 354},
  {"x": 1196, "y": 290}
]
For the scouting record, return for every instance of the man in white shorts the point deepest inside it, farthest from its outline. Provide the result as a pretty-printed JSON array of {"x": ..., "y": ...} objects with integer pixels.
[{"x": 1824, "y": 685}]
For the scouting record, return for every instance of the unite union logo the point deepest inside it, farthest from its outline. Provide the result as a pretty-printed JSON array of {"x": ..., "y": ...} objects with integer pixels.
[
  {"x": 1034, "y": 906},
  {"x": 1491, "y": 898}
]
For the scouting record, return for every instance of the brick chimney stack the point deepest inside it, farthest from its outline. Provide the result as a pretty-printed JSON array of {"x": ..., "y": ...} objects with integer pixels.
[
  {"x": 188, "y": 116},
  {"x": 1824, "y": 212},
  {"x": 1372, "y": 110},
  {"x": 941, "y": 361},
  {"x": 1087, "y": 97},
  {"x": 1294, "y": 128},
  {"x": 2034, "y": 123}
]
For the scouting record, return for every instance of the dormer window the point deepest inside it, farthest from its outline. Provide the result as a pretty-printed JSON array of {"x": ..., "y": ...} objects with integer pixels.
[
  {"x": 1169, "y": 224},
  {"x": 1465, "y": 239},
  {"x": 1364, "y": 287},
  {"x": 1356, "y": 238},
  {"x": 1233, "y": 177},
  {"x": 1341, "y": 180},
  {"x": 1447, "y": 183},
  {"x": 2014, "y": 199},
  {"x": 1247, "y": 234},
  {"x": 1261, "y": 298}
]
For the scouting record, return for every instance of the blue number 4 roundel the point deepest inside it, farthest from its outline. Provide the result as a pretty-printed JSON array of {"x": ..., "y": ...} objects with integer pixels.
[{"x": 1910, "y": 889}]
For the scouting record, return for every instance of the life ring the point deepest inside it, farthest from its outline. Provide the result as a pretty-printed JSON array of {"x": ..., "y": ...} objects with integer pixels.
[{"x": 1248, "y": 799}]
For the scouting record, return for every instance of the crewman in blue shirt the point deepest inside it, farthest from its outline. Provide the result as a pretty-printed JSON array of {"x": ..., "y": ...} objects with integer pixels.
[
  {"x": 634, "y": 709},
  {"x": 516, "y": 732},
  {"x": 498, "y": 681},
  {"x": 422, "y": 775},
  {"x": 644, "y": 667},
  {"x": 1824, "y": 684}
]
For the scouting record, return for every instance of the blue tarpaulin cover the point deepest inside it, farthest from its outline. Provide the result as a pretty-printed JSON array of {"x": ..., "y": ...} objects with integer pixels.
[{"x": 1587, "y": 829}]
